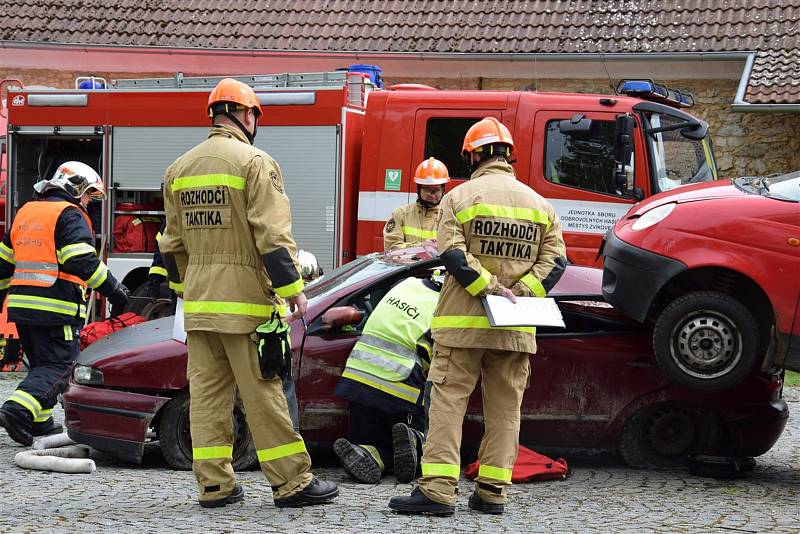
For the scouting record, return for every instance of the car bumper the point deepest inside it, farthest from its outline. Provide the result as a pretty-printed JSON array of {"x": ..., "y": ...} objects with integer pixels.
[
  {"x": 632, "y": 277},
  {"x": 753, "y": 429},
  {"x": 111, "y": 421}
]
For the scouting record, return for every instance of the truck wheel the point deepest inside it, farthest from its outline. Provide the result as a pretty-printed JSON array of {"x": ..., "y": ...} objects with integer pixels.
[
  {"x": 175, "y": 440},
  {"x": 663, "y": 435},
  {"x": 706, "y": 340},
  {"x": 162, "y": 307}
]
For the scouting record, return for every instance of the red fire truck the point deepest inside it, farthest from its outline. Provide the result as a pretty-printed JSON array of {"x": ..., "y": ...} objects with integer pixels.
[{"x": 348, "y": 149}]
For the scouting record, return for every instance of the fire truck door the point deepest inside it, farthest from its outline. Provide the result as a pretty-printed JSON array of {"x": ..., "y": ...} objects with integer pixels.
[{"x": 574, "y": 171}]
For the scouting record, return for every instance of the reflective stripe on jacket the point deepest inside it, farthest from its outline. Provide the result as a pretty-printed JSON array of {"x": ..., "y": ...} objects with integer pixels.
[
  {"x": 386, "y": 357},
  {"x": 494, "y": 230},
  {"x": 33, "y": 238},
  {"x": 410, "y": 225},
  {"x": 228, "y": 216}
]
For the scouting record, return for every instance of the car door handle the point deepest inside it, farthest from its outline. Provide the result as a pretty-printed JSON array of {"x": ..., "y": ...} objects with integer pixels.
[{"x": 641, "y": 364}]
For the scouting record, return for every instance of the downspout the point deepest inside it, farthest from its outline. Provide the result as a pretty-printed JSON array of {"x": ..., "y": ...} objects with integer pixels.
[{"x": 739, "y": 103}]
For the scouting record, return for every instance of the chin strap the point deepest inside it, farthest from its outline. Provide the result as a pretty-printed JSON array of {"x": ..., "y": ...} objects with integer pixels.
[{"x": 250, "y": 136}]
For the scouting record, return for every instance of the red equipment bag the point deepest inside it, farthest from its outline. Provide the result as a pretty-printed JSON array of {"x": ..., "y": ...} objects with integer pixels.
[
  {"x": 136, "y": 233},
  {"x": 529, "y": 466},
  {"x": 100, "y": 329}
]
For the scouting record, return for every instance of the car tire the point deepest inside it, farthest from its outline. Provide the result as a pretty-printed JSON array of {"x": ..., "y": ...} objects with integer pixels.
[
  {"x": 706, "y": 340},
  {"x": 175, "y": 440},
  {"x": 663, "y": 435},
  {"x": 149, "y": 309}
]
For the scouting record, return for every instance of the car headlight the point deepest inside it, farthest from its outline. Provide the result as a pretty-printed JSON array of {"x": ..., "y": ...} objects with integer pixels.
[
  {"x": 87, "y": 376},
  {"x": 654, "y": 216}
]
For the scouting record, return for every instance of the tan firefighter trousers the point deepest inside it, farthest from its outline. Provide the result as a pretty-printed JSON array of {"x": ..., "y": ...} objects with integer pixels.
[
  {"x": 454, "y": 373},
  {"x": 217, "y": 364}
]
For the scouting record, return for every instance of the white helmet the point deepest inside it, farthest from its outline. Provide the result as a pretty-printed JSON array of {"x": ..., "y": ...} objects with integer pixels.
[
  {"x": 75, "y": 178},
  {"x": 309, "y": 267}
]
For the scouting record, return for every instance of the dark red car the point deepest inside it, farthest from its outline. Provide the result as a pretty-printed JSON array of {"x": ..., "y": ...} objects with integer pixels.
[
  {"x": 595, "y": 386},
  {"x": 715, "y": 268}
]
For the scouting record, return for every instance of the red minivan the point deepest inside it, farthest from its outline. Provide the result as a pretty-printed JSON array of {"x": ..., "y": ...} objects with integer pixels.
[{"x": 715, "y": 268}]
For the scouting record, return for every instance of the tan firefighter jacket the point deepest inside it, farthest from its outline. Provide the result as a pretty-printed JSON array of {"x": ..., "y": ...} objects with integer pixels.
[
  {"x": 494, "y": 230},
  {"x": 410, "y": 225},
  {"x": 227, "y": 218}
]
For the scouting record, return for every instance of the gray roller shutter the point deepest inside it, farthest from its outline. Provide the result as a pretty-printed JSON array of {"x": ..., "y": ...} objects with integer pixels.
[
  {"x": 307, "y": 155},
  {"x": 141, "y": 155}
]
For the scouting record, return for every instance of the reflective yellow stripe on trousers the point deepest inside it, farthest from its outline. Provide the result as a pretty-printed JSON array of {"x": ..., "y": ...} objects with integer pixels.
[
  {"x": 495, "y": 473},
  {"x": 220, "y": 452},
  {"x": 441, "y": 470},
  {"x": 281, "y": 451},
  {"x": 27, "y": 400},
  {"x": 44, "y": 415}
]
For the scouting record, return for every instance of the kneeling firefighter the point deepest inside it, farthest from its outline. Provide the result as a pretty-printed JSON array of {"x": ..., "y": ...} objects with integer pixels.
[
  {"x": 47, "y": 260},
  {"x": 416, "y": 223},
  {"x": 384, "y": 379}
]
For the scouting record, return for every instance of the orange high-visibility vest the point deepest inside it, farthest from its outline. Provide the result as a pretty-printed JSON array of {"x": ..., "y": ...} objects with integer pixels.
[{"x": 34, "y": 244}]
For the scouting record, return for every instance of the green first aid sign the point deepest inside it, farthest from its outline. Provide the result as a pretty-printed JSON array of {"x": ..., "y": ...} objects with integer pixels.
[{"x": 392, "y": 180}]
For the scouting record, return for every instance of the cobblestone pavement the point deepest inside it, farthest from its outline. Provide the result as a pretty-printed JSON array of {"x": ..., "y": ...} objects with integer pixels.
[{"x": 598, "y": 497}]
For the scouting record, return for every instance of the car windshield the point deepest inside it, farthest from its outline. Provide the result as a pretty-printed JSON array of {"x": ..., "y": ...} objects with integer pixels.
[
  {"x": 350, "y": 273},
  {"x": 678, "y": 159},
  {"x": 779, "y": 186}
]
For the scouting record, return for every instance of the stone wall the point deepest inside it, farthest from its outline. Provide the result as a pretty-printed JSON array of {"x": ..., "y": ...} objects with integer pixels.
[{"x": 744, "y": 143}]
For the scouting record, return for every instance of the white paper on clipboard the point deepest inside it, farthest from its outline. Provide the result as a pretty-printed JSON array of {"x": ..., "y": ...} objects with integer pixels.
[
  {"x": 178, "y": 333},
  {"x": 528, "y": 311}
]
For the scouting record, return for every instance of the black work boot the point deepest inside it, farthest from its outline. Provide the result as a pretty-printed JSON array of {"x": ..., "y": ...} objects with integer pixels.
[
  {"x": 358, "y": 462},
  {"x": 237, "y": 494},
  {"x": 476, "y": 503},
  {"x": 46, "y": 428},
  {"x": 17, "y": 425},
  {"x": 317, "y": 492},
  {"x": 406, "y": 454},
  {"x": 418, "y": 503}
]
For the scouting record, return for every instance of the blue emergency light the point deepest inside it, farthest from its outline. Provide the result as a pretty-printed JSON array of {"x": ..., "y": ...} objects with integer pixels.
[{"x": 649, "y": 90}]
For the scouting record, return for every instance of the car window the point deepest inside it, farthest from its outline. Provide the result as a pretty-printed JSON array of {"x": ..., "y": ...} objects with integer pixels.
[
  {"x": 585, "y": 161},
  {"x": 443, "y": 138}
]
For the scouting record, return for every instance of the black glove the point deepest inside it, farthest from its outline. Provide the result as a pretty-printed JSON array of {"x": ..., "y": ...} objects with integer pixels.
[
  {"x": 119, "y": 297},
  {"x": 154, "y": 286},
  {"x": 274, "y": 349}
]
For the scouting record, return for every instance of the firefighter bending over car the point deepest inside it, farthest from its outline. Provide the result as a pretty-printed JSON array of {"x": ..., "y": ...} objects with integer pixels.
[
  {"x": 228, "y": 244},
  {"x": 384, "y": 379},
  {"x": 483, "y": 257},
  {"x": 47, "y": 262},
  {"x": 415, "y": 224}
]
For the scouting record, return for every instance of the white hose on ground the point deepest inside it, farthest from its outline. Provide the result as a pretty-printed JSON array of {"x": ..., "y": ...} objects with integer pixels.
[
  {"x": 51, "y": 442},
  {"x": 71, "y": 459}
]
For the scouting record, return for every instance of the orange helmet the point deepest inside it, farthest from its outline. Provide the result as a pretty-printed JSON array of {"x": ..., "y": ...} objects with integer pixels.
[
  {"x": 488, "y": 131},
  {"x": 431, "y": 172},
  {"x": 233, "y": 91}
]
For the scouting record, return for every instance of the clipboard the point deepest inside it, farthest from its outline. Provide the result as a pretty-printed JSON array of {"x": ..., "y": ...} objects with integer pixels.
[{"x": 528, "y": 311}]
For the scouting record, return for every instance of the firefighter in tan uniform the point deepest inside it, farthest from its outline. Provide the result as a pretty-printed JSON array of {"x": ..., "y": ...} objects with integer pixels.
[
  {"x": 416, "y": 223},
  {"x": 497, "y": 236},
  {"x": 229, "y": 247}
]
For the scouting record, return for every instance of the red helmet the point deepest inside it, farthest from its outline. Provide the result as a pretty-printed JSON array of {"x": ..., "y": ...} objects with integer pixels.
[
  {"x": 488, "y": 131},
  {"x": 431, "y": 172}
]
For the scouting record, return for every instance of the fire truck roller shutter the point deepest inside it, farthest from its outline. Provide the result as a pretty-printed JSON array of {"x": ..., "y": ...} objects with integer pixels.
[{"x": 308, "y": 158}]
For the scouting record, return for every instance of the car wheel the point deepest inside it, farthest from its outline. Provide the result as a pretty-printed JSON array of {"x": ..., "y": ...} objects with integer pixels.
[
  {"x": 150, "y": 309},
  {"x": 706, "y": 340},
  {"x": 175, "y": 439},
  {"x": 662, "y": 436}
]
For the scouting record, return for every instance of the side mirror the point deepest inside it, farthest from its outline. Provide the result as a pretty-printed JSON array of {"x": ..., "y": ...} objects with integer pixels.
[
  {"x": 341, "y": 316},
  {"x": 623, "y": 150},
  {"x": 696, "y": 132},
  {"x": 577, "y": 125}
]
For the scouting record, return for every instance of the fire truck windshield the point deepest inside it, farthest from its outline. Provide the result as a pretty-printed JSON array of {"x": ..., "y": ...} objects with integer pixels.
[{"x": 677, "y": 159}]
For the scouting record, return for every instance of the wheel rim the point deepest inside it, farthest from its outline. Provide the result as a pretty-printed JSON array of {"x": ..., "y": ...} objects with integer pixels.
[
  {"x": 706, "y": 344},
  {"x": 156, "y": 310},
  {"x": 671, "y": 433}
]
